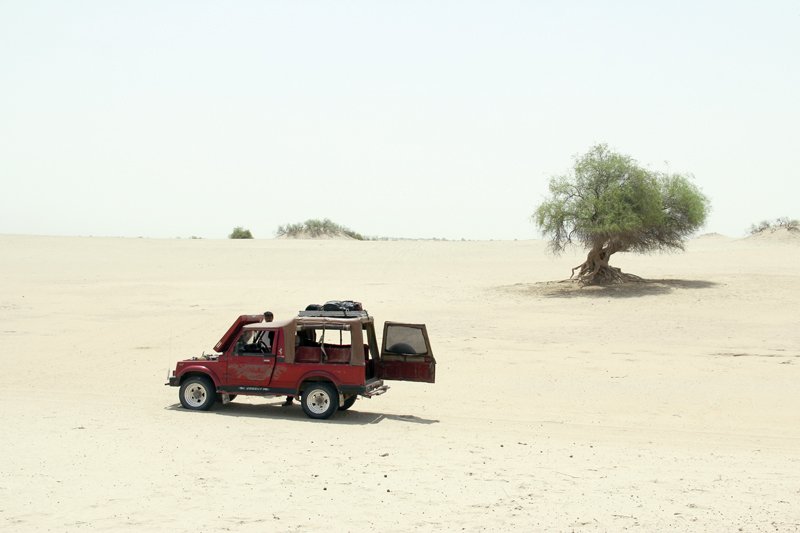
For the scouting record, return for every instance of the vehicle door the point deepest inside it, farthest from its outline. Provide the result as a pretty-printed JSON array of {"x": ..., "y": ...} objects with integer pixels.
[
  {"x": 406, "y": 353},
  {"x": 252, "y": 359}
]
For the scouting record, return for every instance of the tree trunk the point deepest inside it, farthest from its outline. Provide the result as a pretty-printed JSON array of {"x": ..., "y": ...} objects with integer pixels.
[{"x": 596, "y": 270}]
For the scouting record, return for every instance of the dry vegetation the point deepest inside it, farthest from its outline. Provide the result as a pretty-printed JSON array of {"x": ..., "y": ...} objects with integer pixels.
[
  {"x": 316, "y": 228},
  {"x": 779, "y": 223}
]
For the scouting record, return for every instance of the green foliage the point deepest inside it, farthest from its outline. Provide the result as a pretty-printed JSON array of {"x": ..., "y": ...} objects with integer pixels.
[
  {"x": 240, "y": 233},
  {"x": 609, "y": 202},
  {"x": 782, "y": 222},
  {"x": 317, "y": 228}
]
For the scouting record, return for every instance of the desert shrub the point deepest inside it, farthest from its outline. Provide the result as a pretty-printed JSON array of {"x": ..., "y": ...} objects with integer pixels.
[
  {"x": 317, "y": 228},
  {"x": 762, "y": 226},
  {"x": 778, "y": 223},
  {"x": 240, "y": 233},
  {"x": 790, "y": 224}
]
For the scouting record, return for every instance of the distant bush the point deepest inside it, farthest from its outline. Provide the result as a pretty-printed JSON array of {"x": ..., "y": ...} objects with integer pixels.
[
  {"x": 317, "y": 228},
  {"x": 240, "y": 233},
  {"x": 778, "y": 223}
]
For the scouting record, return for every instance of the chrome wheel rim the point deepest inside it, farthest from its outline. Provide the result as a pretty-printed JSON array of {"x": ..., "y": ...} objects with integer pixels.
[
  {"x": 195, "y": 394},
  {"x": 318, "y": 401}
]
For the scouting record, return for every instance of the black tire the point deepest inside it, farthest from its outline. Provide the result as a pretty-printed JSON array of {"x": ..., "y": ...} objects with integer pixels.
[
  {"x": 348, "y": 403},
  {"x": 320, "y": 400},
  {"x": 197, "y": 393}
]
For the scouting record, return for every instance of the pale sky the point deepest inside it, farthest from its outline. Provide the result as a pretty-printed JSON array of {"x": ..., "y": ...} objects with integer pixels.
[{"x": 399, "y": 119}]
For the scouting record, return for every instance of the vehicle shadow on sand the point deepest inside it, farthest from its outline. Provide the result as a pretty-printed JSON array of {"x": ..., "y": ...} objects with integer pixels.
[
  {"x": 630, "y": 289},
  {"x": 354, "y": 416}
]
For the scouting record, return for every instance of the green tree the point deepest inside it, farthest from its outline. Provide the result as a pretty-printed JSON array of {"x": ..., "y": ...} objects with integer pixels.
[
  {"x": 240, "y": 233},
  {"x": 610, "y": 204}
]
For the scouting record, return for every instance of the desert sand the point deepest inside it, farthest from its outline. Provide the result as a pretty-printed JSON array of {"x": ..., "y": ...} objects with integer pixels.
[{"x": 669, "y": 405}]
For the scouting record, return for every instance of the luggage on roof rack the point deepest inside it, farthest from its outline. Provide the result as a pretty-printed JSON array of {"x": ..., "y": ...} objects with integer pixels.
[
  {"x": 341, "y": 305},
  {"x": 333, "y": 314},
  {"x": 335, "y": 308}
]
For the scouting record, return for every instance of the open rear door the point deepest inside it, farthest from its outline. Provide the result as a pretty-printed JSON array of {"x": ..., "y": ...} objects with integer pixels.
[{"x": 406, "y": 353}]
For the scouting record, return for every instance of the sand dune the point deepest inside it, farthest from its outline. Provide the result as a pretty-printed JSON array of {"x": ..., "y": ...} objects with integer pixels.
[{"x": 667, "y": 405}]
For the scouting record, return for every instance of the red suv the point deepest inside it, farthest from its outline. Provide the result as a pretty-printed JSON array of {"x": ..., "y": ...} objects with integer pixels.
[{"x": 327, "y": 359}]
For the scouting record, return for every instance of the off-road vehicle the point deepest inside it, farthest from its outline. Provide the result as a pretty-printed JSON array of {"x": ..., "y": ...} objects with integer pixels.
[{"x": 326, "y": 358}]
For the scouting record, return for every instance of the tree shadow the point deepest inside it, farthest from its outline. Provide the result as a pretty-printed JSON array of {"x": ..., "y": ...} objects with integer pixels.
[
  {"x": 353, "y": 416},
  {"x": 629, "y": 289}
]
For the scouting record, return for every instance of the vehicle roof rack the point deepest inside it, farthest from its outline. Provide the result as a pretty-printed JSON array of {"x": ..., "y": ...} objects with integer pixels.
[{"x": 335, "y": 314}]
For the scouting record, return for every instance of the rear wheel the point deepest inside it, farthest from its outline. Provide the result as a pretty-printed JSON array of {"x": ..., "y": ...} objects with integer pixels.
[
  {"x": 197, "y": 393},
  {"x": 320, "y": 400},
  {"x": 348, "y": 403}
]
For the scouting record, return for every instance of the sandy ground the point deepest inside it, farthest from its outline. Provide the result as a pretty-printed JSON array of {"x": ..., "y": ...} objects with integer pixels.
[{"x": 669, "y": 406}]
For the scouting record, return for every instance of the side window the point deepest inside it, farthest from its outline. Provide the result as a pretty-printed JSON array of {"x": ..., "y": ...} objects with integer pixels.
[
  {"x": 250, "y": 343},
  {"x": 306, "y": 337},
  {"x": 242, "y": 342},
  {"x": 405, "y": 340},
  {"x": 317, "y": 336},
  {"x": 337, "y": 337},
  {"x": 265, "y": 341}
]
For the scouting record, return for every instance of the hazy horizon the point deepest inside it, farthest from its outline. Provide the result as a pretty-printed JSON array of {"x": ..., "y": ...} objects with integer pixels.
[{"x": 401, "y": 120}]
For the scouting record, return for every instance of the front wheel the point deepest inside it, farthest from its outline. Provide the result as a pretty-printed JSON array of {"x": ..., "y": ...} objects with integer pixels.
[
  {"x": 320, "y": 400},
  {"x": 197, "y": 393}
]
